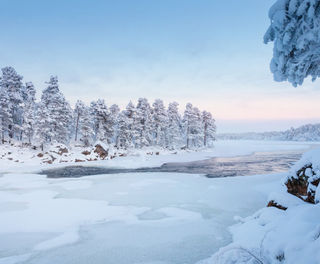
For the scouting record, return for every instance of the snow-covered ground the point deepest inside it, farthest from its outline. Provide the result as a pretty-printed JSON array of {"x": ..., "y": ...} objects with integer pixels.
[{"x": 129, "y": 218}]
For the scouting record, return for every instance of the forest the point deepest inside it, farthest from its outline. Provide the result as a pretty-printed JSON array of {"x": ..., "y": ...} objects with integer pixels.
[{"x": 52, "y": 120}]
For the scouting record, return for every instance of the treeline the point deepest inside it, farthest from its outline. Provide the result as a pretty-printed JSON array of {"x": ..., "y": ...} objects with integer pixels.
[
  {"x": 52, "y": 120},
  {"x": 309, "y": 132}
]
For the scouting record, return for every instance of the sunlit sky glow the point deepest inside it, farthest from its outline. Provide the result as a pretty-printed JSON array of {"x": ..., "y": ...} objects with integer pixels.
[{"x": 208, "y": 52}]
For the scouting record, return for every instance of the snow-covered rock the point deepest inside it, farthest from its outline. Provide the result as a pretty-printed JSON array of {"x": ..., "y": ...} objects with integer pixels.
[
  {"x": 101, "y": 150},
  {"x": 304, "y": 177}
]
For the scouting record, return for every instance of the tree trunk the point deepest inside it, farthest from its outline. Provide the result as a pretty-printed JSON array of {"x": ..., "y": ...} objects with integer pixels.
[
  {"x": 10, "y": 131},
  {"x": 77, "y": 125},
  {"x": 205, "y": 134},
  {"x": 188, "y": 131}
]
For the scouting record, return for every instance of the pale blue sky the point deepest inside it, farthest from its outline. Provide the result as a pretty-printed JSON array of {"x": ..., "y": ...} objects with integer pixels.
[{"x": 208, "y": 52}]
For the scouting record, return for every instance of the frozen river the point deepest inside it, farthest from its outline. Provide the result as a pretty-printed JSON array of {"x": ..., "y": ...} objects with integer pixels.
[
  {"x": 145, "y": 217},
  {"x": 256, "y": 163}
]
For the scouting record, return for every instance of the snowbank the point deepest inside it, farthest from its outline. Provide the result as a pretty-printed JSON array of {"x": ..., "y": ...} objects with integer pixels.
[
  {"x": 274, "y": 236},
  {"x": 290, "y": 234}
]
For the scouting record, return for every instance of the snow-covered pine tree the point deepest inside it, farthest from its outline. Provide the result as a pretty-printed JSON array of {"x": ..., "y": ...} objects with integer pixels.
[
  {"x": 188, "y": 118},
  {"x": 78, "y": 113},
  {"x": 209, "y": 128},
  {"x": 55, "y": 114},
  {"x": 83, "y": 124},
  {"x": 114, "y": 110},
  {"x": 174, "y": 132},
  {"x": 103, "y": 125},
  {"x": 63, "y": 117},
  {"x": 99, "y": 111},
  {"x": 43, "y": 132},
  {"x": 29, "y": 111},
  {"x": 192, "y": 123},
  {"x": 86, "y": 126},
  {"x": 295, "y": 27},
  {"x": 93, "y": 113},
  {"x": 159, "y": 123},
  {"x": 11, "y": 111},
  {"x": 196, "y": 130},
  {"x": 142, "y": 124},
  {"x": 124, "y": 133},
  {"x": 113, "y": 122},
  {"x": 5, "y": 114},
  {"x": 127, "y": 132},
  {"x": 131, "y": 113}
]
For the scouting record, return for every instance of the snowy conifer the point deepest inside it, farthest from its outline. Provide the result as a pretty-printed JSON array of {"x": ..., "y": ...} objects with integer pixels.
[
  {"x": 11, "y": 105},
  {"x": 43, "y": 132},
  {"x": 187, "y": 122},
  {"x": 29, "y": 110},
  {"x": 126, "y": 131},
  {"x": 83, "y": 124},
  {"x": 55, "y": 114},
  {"x": 193, "y": 126},
  {"x": 209, "y": 128},
  {"x": 174, "y": 136},
  {"x": 113, "y": 122},
  {"x": 103, "y": 125},
  {"x": 86, "y": 126},
  {"x": 5, "y": 114},
  {"x": 78, "y": 113},
  {"x": 295, "y": 27},
  {"x": 159, "y": 123},
  {"x": 142, "y": 124},
  {"x": 196, "y": 130},
  {"x": 130, "y": 113}
]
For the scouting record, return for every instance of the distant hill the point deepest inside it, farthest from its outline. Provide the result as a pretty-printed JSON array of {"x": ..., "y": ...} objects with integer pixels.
[{"x": 309, "y": 132}]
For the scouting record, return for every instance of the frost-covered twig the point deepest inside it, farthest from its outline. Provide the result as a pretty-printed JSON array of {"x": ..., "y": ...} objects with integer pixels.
[{"x": 242, "y": 249}]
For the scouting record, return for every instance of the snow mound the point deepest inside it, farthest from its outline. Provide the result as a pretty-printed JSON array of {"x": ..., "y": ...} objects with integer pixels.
[
  {"x": 274, "y": 236},
  {"x": 311, "y": 157}
]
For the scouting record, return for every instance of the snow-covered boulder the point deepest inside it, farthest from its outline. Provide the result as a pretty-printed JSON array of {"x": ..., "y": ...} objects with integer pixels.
[
  {"x": 304, "y": 177},
  {"x": 101, "y": 149},
  {"x": 59, "y": 149},
  {"x": 55, "y": 153}
]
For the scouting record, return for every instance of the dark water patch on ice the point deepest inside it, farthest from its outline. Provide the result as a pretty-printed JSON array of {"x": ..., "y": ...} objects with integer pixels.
[{"x": 257, "y": 163}]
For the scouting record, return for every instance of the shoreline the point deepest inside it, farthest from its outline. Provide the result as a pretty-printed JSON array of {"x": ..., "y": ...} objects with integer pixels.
[
  {"x": 139, "y": 159},
  {"x": 258, "y": 163}
]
